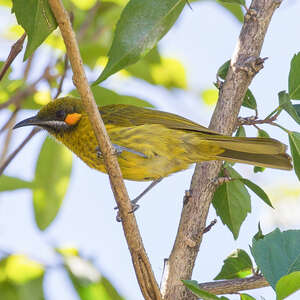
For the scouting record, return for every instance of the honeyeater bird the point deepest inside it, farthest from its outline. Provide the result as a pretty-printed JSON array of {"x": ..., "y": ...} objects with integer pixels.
[{"x": 151, "y": 144}]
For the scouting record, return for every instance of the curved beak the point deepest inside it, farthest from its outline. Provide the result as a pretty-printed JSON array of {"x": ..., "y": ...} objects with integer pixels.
[{"x": 33, "y": 121}]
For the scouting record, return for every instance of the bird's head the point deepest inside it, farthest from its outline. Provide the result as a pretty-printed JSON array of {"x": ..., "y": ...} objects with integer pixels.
[{"x": 58, "y": 116}]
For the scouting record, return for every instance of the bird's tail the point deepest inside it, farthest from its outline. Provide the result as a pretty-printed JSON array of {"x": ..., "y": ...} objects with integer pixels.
[{"x": 263, "y": 152}]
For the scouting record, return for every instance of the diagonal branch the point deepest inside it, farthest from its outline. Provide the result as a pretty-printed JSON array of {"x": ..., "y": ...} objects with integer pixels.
[
  {"x": 234, "y": 285},
  {"x": 14, "y": 51},
  {"x": 141, "y": 263},
  {"x": 245, "y": 63}
]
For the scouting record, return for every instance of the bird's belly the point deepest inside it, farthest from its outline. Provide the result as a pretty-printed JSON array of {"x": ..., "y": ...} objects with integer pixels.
[{"x": 145, "y": 169}]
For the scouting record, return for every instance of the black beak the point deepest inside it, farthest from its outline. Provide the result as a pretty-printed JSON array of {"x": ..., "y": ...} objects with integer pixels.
[{"x": 33, "y": 121}]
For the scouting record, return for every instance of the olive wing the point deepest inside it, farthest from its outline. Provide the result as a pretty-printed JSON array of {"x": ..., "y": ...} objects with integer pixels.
[{"x": 130, "y": 115}]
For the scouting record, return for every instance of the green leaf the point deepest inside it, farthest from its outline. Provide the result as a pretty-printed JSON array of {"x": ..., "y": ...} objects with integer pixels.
[
  {"x": 193, "y": 286},
  {"x": 105, "y": 96},
  {"x": 223, "y": 70},
  {"x": 257, "y": 190},
  {"x": 262, "y": 133},
  {"x": 87, "y": 280},
  {"x": 52, "y": 176},
  {"x": 237, "y": 265},
  {"x": 240, "y": 132},
  {"x": 286, "y": 104},
  {"x": 240, "y": 2},
  {"x": 232, "y": 202},
  {"x": 259, "y": 235},
  {"x": 246, "y": 297},
  {"x": 249, "y": 100},
  {"x": 141, "y": 26},
  {"x": 37, "y": 20},
  {"x": 9, "y": 183},
  {"x": 21, "y": 278},
  {"x": 288, "y": 285},
  {"x": 297, "y": 109},
  {"x": 234, "y": 9},
  {"x": 210, "y": 96},
  {"x": 277, "y": 254},
  {"x": 294, "y": 139},
  {"x": 294, "y": 77}
]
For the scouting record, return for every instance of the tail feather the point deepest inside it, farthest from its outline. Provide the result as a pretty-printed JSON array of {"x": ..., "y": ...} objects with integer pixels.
[
  {"x": 248, "y": 145},
  {"x": 277, "y": 161}
]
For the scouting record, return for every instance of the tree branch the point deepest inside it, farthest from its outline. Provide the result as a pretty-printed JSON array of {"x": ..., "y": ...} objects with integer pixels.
[
  {"x": 141, "y": 263},
  {"x": 14, "y": 51},
  {"x": 245, "y": 63},
  {"x": 234, "y": 285}
]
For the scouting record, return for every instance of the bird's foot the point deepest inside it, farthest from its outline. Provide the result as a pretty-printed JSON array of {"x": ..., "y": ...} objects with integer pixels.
[{"x": 134, "y": 207}]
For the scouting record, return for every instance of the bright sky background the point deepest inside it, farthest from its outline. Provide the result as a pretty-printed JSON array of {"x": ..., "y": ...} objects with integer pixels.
[{"x": 202, "y": 39}]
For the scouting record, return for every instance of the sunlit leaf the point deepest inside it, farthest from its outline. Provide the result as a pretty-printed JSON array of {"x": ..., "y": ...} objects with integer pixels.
[
  {"x": 169, "y": 73},
  {"x": 9, "y": 183},
  {"x": 141, "y": 26},
  {"x": 52, "y": 175},
  {"x": 88, "y": 281},
  {"x": 288, "y": 285},
  {"x": 210, "y": 96},
  {"x": 84, "y": 5},
  {"x": 21, "y": 278},
  {"x": 294, "y": 77},
  {"x": 237, "y": 265},
  {"x": 37, "y": 20},
  {"x": 277, "y": 254},
  {"x": 7, "y": 3}
]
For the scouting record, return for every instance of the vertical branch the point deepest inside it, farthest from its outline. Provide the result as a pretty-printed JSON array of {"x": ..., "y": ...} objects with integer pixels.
[
  {"x": 245, "y": 63},
  {"x": 141, "y": 263}
]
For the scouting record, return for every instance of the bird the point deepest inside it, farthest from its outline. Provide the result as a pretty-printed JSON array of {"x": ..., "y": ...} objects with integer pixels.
[{"x": 151, "y": 144}]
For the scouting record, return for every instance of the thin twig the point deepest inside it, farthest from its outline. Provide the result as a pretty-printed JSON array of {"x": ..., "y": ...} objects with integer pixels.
[
  {"x": 7, "y": 139},
  {"x": 146, "y": 279},
  {"x": 14, "y": 51},
  {"x": 13, "y": 154},
  {"x": 210, "y": 226},
  {"x": 63, "y": 77},
  {"x": 253, "y": 120},
  {"x": 245, "y": 63},
  {"x": 8, "y": 123},
  {"x": 234, "y": 285},
  {"x": 28, "y": 67}
]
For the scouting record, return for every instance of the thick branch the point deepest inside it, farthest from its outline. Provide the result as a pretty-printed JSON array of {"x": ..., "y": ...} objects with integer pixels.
[
  {"x": 141, "y": 263},
  {"x": 245, "y": 63},
  {"x": 234, "y": 285}
]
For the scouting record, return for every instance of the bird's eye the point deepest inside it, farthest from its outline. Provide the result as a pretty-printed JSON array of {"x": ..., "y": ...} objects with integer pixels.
[{"x": 60, "y": 114}]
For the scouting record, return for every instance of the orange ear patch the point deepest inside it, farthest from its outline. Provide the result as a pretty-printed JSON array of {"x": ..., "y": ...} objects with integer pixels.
[{"x": 72, "y": 119}]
